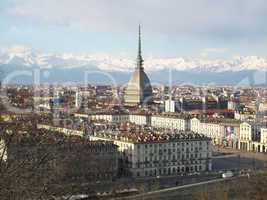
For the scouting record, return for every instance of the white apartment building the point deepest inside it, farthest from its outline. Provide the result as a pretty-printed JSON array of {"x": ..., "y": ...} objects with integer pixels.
[
  {"x": 253, "y": 137},
  {"x": 170, "y": 122},
  {"x": 140, "y": 119},
  {"x": 114, "y": 118},
  {"x": 245, "y": 139},
  {"x": 171, "y": 106},
  {"x": 221, "y": 131},
  {"x": 158, "y": 121},
  {"x": 136, "y": 118},
  {"x": 209, "y": 129},
  {"x": 161, "y": 155}
]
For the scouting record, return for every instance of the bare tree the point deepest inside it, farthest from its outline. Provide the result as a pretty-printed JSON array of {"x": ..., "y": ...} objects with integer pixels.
[{"x": 30, "y": 167}]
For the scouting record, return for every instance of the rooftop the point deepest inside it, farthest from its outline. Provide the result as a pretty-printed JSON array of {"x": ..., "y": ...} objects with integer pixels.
[
  {"x": 174, "y": 115},
  {"x": 219, "y": 120},
  {"x": 148, "y": 136}
]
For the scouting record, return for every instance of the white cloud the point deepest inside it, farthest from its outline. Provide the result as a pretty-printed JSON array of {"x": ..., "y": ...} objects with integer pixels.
[{"x": 227, "y": 18}]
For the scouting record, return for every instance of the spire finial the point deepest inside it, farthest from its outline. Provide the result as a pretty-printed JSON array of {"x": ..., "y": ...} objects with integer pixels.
[
  {"x": 139, "y": 56},
  {"x": 139, "y": 44}
]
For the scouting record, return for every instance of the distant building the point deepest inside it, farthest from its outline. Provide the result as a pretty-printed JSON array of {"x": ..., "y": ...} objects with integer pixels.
[
  {"x": 202, "y": 103},
  {"x": 209, "y": 129},
  {"x": 139, "y": 90},
  {"x": 252, "y": 136},
  {"x": 225, "y": 113},
  {"x": 233, "y": 105},
  {"x": 78, "y": 99},
  {"x": 171, "y": 121},
  {"x": 165, "y": 120},
  {"x": 110, "y": 117},
  {"x": 171, "y": 106},
  {"x": 246, "y": 135},
  {"x": 221, "y": 131},
  {"x": 140, "y": 119}
]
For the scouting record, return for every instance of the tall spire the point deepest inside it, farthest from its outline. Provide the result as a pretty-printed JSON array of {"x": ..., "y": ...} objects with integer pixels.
[
  {"x": 139, "y": 41},
  {"x": 139, "y": 55}
]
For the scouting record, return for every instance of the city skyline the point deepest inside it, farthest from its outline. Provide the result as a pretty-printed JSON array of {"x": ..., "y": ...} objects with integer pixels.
[{"x": 133, "y": 99}]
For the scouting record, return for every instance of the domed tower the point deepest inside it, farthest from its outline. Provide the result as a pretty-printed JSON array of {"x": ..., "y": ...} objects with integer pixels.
[{"x": 139, "y": 90}]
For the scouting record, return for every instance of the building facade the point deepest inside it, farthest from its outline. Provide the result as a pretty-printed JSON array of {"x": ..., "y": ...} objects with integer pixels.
[
  {"x": 253, "y": 137},
  {"x": 221, "y": 131},
  {"x": 170, "y": 122},
  {"x": 140, "y": 119},
  {"x": 171, "y": 106},
  {"x": 211, "y": 130},
  {"x": 114, "y": 118},
  {"x": 245, "y": 139},
  {"x": 157, "y": 155}
]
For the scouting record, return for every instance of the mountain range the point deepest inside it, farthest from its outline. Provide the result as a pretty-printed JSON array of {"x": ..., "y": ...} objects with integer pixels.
[{"x": 103, "y": 68}]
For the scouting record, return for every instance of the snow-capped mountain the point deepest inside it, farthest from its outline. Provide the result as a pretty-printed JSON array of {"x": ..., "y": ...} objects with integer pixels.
[
  {"x": 73, "y": 67},
  {"x": 26, "y": 57},
  {"x": 23, "y": 56}
]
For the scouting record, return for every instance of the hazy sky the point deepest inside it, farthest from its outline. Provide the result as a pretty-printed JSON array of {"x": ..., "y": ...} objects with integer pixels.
[{"x": 193, "y": 28}]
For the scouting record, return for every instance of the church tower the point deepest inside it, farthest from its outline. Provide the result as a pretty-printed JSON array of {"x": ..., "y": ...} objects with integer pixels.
[{"x": 139, "y": 90}]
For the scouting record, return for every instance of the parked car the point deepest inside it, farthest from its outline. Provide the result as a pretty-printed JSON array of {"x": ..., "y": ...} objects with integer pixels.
[{"x": 227, "y": 174}]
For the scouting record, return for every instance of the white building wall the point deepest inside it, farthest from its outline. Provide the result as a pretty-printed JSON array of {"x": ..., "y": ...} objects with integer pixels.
[
  {"x": 212, "y": 130},
  {"x": 162, "y": 159},
  {"x": 245, "y": 137},
  {"x": 170, "y": 122},
  {"x": 169, "y": 105},
  {"x": 139, "y": 119},
  {"x": 263, "y": 136},
  {"x": 114, "y": 118}
]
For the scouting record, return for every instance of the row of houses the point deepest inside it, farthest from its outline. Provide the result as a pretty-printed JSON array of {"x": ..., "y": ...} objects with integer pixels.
[
  {"x": 234, "y": 133},
  {"x": 170, "y": 121},
  {"x": 245, "y": 136},
  {"x": 221, "y": 131}
]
